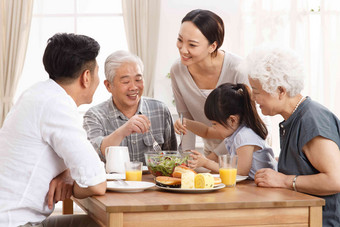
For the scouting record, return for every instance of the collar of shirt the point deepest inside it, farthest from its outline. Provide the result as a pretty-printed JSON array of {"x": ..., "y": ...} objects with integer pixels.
[
  {"x": 284, "y": 124},
  {"x": 114, "y": 112}
]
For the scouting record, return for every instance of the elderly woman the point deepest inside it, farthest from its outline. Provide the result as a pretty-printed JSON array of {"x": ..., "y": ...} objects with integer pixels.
[{"x": 309, "y": 135}]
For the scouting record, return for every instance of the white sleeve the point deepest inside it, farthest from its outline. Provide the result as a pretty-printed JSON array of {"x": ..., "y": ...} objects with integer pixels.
[{"x": 61, "y": 128}]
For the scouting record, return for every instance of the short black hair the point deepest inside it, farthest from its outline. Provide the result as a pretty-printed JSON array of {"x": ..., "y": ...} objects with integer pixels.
[
  {"x": 209, "y": 23},
  {"x": 68, "y": 55}
]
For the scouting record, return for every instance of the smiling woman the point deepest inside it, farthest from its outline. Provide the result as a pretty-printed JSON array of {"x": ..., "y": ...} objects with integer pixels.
[{"x": 201, "y": 68}]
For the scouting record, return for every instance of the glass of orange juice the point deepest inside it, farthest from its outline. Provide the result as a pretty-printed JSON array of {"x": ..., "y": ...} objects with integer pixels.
[
  {"x": 133, "y": 171},
  {"x": 228, "y": 169}
]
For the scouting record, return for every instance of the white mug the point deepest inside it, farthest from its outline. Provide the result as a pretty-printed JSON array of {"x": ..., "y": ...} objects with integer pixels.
[{"x": 116, "y": 156}]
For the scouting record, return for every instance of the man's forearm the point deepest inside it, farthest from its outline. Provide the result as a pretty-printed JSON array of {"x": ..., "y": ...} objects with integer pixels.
[
  {"x": 114, "y": 139},
  {"x": 81, "y": 193}
]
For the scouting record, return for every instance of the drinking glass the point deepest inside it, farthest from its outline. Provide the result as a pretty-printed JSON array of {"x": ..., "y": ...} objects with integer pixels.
[
  {"x": 228, "y": 169},
  {"x": 133, "y": 171}
]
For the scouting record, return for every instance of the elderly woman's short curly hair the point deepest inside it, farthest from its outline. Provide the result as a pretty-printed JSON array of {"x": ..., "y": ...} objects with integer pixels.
[
  {"x": 275, "y": 67},
  {"x": 116, "y": 59}
]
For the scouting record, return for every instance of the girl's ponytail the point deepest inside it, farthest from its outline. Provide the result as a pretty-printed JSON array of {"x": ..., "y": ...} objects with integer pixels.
[{"x": 250, "y": 117}]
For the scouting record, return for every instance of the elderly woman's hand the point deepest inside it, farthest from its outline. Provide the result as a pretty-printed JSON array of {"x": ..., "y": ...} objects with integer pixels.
[{"x": 270, "y": 178}]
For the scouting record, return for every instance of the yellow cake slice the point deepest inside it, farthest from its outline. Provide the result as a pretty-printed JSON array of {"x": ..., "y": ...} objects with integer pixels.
[
  {"x": 204, "y": 180},
  {"x": 188, "y": 180}
]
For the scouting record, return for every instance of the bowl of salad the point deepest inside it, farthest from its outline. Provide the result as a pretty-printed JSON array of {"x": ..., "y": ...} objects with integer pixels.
[{"x": 163, "y": 163}]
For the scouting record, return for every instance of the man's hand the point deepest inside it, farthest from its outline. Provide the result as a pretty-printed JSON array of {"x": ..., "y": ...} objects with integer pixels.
[
  {"x": 60, "y": 188},
  {"x": 136, "y": 124}
]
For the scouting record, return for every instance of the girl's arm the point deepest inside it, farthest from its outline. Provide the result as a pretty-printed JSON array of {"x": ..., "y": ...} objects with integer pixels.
[
  {"x": 199, "y": 160},
  {"x": 197, "y": 128},
  {"x": 245, "y": 159}
]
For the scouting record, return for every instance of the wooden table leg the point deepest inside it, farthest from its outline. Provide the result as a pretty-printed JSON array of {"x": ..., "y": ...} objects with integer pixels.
[
  {"x": 68, "y": 206},
  {"x": 115, "y": 219},
  {"x": 315, "y": 216}
]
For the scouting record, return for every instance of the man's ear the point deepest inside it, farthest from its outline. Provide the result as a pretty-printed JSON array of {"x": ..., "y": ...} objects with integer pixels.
[
  {"x": 85, "y": 79},
  {"x": 108, "y": 85}
]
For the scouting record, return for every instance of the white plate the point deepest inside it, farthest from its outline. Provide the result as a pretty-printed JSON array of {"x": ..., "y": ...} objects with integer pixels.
[
  {"x": 115, "y": 176},
  {"x": 121, "y": 176},
  {"x": 196, "y": 190},
  {"x": 133, "y": 186},
  {"x": 238, "y": 177}
]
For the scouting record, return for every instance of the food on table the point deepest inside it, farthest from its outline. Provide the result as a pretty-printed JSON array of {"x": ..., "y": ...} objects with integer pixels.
[
  {"x": 217, "y": 180},
  {"x": 204, "y": 180},
  {"x": 188, "y": 180},
  {"x": 179, "y": 170},
  {"x": 171, "y": 182},
  {"x": 163, "y": 164}
]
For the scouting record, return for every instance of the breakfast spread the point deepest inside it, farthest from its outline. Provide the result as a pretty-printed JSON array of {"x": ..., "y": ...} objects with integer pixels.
[
  {"x": 179, "y": 170},
  {"x": 204, "y": 180},
  {"x": 186, "y": 178},
  {"x": 163, "y": 164},
  {"x": 165, "y": 181}
]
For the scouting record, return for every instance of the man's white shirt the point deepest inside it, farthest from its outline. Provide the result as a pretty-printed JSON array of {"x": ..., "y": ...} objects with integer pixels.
[{"x": 41, "y": 137}]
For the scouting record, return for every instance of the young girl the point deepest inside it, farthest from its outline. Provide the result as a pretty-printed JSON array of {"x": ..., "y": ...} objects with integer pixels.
[{"x": 234, "y": 118}]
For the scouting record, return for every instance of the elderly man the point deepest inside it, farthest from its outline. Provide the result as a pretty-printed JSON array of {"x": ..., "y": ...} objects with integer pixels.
[
  {"x": 128, "y": 118},
  {"x": 42, "y": 142}
]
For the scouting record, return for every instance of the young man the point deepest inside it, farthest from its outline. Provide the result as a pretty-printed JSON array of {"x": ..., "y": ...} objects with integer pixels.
[
  {"x": 45, "y": 156},
  {"x": 128, "y": 118}
]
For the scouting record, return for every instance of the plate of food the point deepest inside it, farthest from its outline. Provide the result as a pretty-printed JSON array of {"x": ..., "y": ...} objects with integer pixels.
[
  {"x": 186, "y": 180},
  {"x": 128, "y": 186},
  {"x": 194, "y": 190}
]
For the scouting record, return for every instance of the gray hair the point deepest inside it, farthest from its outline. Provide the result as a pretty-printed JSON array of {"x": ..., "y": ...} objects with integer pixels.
[
  {"x": 275, "y": 67},
  {"x": 116, "y": 59}
]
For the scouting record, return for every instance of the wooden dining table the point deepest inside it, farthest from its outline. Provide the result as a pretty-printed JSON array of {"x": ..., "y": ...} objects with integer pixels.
[{"x": 243, "y": 205}]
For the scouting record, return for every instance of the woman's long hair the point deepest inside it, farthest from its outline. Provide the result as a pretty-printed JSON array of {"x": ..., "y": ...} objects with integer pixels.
[{"x": 234, "y": 99}]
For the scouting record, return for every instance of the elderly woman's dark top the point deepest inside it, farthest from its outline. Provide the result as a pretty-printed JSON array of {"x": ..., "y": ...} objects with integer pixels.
[{"x": 309, "y": 121}]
